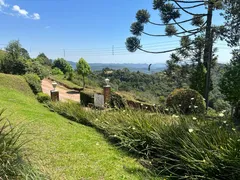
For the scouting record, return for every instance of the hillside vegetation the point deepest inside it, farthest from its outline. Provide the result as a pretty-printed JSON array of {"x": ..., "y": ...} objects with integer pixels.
[{"x": 61, "y": 149}]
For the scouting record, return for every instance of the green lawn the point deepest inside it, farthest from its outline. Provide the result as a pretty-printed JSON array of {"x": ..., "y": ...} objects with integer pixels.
[{"x": 60, "y": 148}]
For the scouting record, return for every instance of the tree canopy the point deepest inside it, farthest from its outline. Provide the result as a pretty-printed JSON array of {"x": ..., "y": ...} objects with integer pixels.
[
  {"x": 230, "y": 84},
  {"x": 62, "y": 64},
  {"x": 83, "y": 69}
]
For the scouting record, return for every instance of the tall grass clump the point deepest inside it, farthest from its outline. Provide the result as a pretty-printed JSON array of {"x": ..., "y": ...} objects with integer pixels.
[
  {"x": 178, "y": 147},
  {"x": 12, "y": 165},
  {"x": 72, "y": 111}
]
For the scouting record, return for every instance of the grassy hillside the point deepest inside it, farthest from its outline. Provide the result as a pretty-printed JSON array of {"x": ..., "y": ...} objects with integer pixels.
[{"x": 60, "y": 148}]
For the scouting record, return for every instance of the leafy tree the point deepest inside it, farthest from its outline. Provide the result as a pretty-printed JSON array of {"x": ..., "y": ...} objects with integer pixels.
[
  {"x": 10, "y": 66},
  {"x": 24, "y": 53},
  {"x": 34, "y": 67},
  {"x": 14, "y": 62},
  {"x": 62, "y": 64},
  {"x": 43, "y": 59},
  {"x": 198, "y": 78},
  {"x": 14, "y": 49},
  {"x": 231, "y": 30},
  {"x": 230, "y": 84},
  {"x": 170, "y": 12},
  {"x": 83, "y": 69}
]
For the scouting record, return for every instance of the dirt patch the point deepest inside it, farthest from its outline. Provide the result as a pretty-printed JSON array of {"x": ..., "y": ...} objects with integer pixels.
[{"x": 64, "y": 93}]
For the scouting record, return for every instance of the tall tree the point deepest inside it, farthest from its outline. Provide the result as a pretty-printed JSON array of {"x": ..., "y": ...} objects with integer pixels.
[
  {"x": 62, "y": 64},
  {"x": 170, "y": 12},
  {"x": 24, "y": 53},
  {"x": 43, "y": 59},
  {"x": 14, "y": 62},
  {"x": 14, "y": 49},
  {"x": 230, "y": 84},
  {"x": 83, "y": 69}
]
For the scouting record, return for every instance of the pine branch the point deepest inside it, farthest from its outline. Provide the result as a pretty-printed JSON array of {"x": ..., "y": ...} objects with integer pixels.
[
  {"x": 190, "y": 1},
  {"x": 180, "y": 26},
  {"x": 190, "y": 7},
  {"x": 164, "y": 35},
  {"x": 182, "y": 8},
  {"x": 180, "y": 22},
  {"x": 161, "y": 52}
]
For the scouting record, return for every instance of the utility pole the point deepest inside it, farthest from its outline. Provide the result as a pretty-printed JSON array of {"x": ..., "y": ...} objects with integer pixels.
[{"x": 208, "y": 52}]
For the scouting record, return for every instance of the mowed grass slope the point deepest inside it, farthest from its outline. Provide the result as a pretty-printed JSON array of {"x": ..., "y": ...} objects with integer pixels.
[{"x": 59, "y": 148}]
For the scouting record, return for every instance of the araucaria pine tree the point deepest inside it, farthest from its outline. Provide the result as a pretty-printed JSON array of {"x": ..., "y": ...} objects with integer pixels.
[{"x": 196, "y": 44}]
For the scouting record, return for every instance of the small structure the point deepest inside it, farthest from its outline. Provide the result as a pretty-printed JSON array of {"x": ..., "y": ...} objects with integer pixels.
[
  {"x": 99, "y": 100},
  {"x": 54, "y": 93},
  {"x": 107, "y": 91}
]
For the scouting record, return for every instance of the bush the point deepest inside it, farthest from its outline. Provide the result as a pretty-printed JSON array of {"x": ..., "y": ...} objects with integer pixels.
[
  {"x": 186, "y": 101},
  {"x": 57, "y": 71},
  {"x": 37, "y": 68},
  {"x": 42, "y": 97},
  {"x": 34, "y": 82}
]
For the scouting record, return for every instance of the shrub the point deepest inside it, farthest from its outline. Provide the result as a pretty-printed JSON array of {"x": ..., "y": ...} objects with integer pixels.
[
  {"x": 42, "y": 97},
  {"x": 57, "y": 71},
  {"x": 186, "y": 101},
  {"x": 37, "y": 68},
  {"x": 34, "y": 82}
]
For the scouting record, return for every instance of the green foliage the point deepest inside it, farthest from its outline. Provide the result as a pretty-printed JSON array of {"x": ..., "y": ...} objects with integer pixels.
[
  {"x": 230, "y": 31},
  {"x": 12, "y": 165},
  {"x": 62, "y": 64},
  {"x": 14, "y": 61},
  {"x": 43, "y": 98},
  {"x": 34, "y": 82},
  {"x": 174, "y": 147},
  {"x": 178, "y": 148},
  {"x": 43, "y": 59},
  {"x": 229, "y": 83},
  {"x": 198, "y": 79},
  {"x": 83, "y": 69},
  {"x": 186, "y": 101},
  {"x": 14, "y": 50},
  {"x": 24, "y": 53},
  {"x": 13, "y": 66},
  {"x": 34, "y": 67},
  {"x": 56, "y": 71},
  {"x": 132, "y": 44}
]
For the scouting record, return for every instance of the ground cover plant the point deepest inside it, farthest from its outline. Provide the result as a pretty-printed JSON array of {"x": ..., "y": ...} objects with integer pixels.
[
  {"x": 178, "y": 147},
  {"x": 61, "y": 149}
]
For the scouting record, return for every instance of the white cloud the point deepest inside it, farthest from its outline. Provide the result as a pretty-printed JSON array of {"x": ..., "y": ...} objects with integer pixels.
[
  {"x": 19, "y": 10},
  {"x": 2, "y": 3},
  {"x": 35, "y": 16}
]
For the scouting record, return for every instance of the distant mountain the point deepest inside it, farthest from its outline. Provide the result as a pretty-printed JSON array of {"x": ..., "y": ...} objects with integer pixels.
[{"x": 132, "y": 67}]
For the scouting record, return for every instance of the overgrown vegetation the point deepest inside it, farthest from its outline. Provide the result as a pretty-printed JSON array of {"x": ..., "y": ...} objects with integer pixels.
[
  {"x": 34, "y": 82},
  {"x": 12, "y": 165},
  {"x": 178, "y": 147}
]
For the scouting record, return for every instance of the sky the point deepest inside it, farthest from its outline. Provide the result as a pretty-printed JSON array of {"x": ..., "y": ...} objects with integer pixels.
[{"x": 93, "y": 29}]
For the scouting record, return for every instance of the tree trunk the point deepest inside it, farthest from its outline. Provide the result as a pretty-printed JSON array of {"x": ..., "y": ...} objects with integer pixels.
[{"x": 208, "y": 51}]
